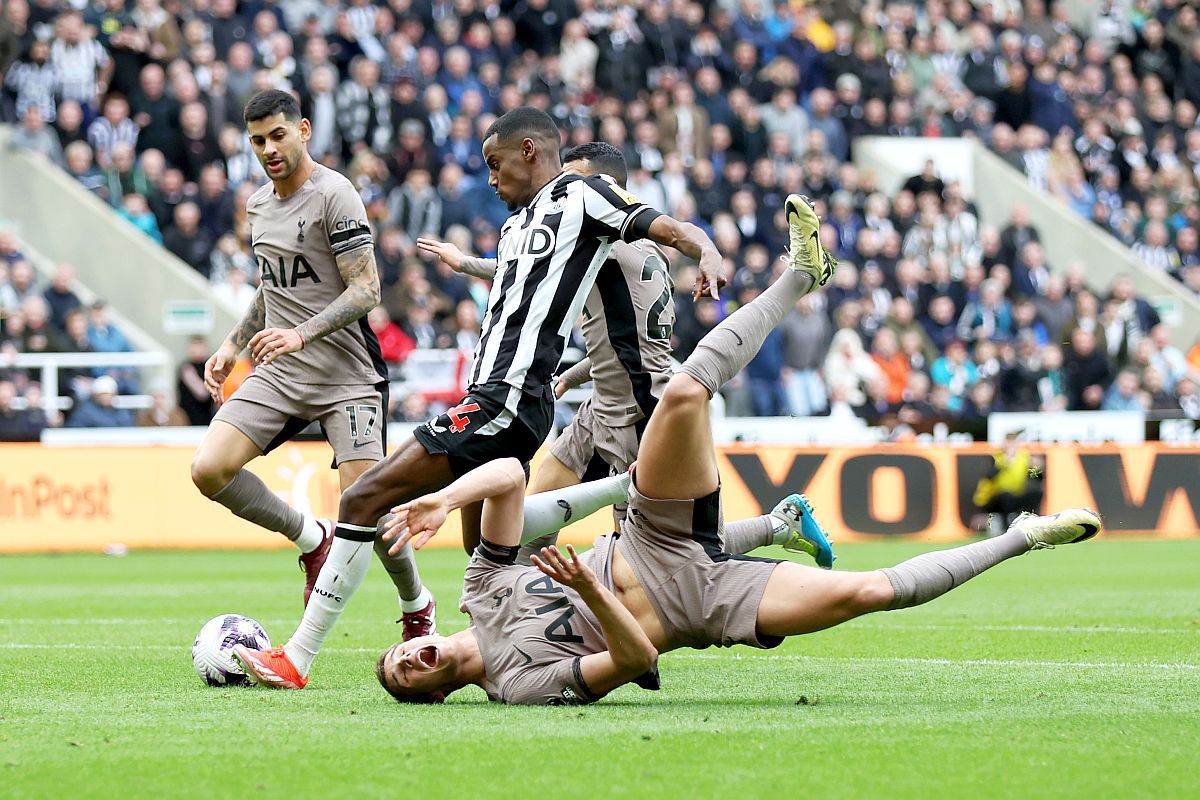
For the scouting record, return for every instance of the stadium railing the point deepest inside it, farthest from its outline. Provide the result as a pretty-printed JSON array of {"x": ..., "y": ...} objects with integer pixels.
[{"x": 156, "y": 366}]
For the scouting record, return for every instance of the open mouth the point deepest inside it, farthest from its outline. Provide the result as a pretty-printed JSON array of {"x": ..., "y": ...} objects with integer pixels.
[
  {"x": 276, "y": 164},
  {"x": 428, "y": 656}
]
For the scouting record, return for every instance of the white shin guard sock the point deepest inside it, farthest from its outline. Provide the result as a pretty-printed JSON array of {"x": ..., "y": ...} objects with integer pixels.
[
  {"x": 341, "y": 576},
  {"x": 547, "y": 512}
]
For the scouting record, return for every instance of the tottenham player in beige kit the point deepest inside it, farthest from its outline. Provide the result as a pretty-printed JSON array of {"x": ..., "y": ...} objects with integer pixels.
[
  {"x": 570, "y": 629},
  {"x": 628, "y": 318},
  {"x": 316, "y": 358}
]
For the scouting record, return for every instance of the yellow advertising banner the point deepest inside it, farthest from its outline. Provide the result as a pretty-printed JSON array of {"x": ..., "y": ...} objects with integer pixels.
[{"x": 84, "y": 498}]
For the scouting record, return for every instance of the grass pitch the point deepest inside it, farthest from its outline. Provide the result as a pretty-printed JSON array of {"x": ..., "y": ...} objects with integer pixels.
[{"x": 1073, "y": 673}]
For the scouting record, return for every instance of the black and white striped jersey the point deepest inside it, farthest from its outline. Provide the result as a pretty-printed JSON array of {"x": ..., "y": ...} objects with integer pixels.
[{"x": 547, "y": 260}]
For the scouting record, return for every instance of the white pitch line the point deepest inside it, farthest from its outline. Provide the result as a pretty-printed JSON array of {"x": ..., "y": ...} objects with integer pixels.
[
  {"x": 937, "y": 662},
  {"x": 1035, "y": 628},
  {"x": 860, "y": 623},
  {"x": 966, "y": 662}
]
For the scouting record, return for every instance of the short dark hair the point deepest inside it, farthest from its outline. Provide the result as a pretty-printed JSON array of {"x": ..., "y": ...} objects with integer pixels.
[
  {"x": 603, "y": 158},
  {"x": 526, "y": 122},
  {"x": 270, "y": 102}
]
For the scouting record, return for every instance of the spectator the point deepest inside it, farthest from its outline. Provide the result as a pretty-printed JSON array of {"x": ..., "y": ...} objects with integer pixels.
[
  {"x": 235, "y": 289},
  {"x": 1123, "y": 394},
  {"x": 162, "y": 413},
  {"x": 35, "y": 81},
  {"x": 989, "y": 317},
  {"x": 39, "y": 335},
  {"x": 188, "y": 241},
  {"x": 954, "y": 371},
  {"x": 103, "y": 335},
  {"x": 415, "y": 206},
  {"x": 1087, "y": 372},
  {"x": 363, "y": 109},
  {"x": 98, "y": 410},
  {"x": 124, "y": 176},
  {"x": 848, "y": 367},
  {"x": 806, "y": 333},
  {"x": 18, "y": 288},
  {"x": 394, "y": 344},
  {"x": 78, "y": 162},
  {"x": 196, "y": 147},
  {"x": 112, "y": 128},
  {"x": 893, "y": 365},
  {"x": 193, "y": 395},
  {"x": 136, "y": 211},
  {"x": 1052, "y": 381},
  {"x": 154, "y": 111},
  {"x": 36, "y": 137},
  {"x": 24, "y": 425},
  {"x": 59, "y": 296},
  {"x": 577, "y": 55}
]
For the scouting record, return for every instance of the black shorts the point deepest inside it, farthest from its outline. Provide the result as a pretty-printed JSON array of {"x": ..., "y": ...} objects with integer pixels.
[{"x": 492, "y": 421}]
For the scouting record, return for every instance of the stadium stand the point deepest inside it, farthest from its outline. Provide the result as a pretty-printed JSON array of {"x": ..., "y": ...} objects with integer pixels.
[{"x": 721, "y": 108}]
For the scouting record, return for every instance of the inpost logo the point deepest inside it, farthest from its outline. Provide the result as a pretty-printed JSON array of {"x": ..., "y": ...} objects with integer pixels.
[{"x": 44, "y": 497}]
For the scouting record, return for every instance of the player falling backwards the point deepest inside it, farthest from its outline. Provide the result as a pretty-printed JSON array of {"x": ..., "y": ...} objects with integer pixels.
[
  {"x": 317, "y": 358},
  {"x": 628, "y": 318},
  {"x": 549, "y": 253},
  {"x": 570, "y": 629}
]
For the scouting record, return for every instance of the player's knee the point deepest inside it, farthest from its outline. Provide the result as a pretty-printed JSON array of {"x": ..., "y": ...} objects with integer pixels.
[
  {"x": 361, "y": 503},
  {"x": 873, "y": 592},
  {"x": 209, "y": 474},
  {"x": 684, "y": 391}
]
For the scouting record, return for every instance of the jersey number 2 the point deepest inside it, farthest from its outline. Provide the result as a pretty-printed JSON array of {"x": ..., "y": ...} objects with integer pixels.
[{"x": 655, "y": 329}]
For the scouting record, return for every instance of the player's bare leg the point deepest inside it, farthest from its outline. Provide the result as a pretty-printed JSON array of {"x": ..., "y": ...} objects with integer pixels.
[
  {"x": 401, "y": 568},
  {"x": 552, "y": 474},
  {"x": 218, "y": 472},
  {"x": 801, "y": 599},
  {"x": 472, "y": 525}
]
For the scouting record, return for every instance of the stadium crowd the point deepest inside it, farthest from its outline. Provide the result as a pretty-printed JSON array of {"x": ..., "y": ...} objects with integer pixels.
[{"x": 722, "y": 108}]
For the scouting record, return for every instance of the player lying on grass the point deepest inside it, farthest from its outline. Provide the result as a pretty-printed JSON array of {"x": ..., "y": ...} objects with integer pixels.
[{"x": 571, "y": 629}]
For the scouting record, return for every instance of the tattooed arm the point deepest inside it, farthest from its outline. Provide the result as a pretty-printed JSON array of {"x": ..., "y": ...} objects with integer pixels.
[
  {"x": 252, "y": 322},
  {"x": 358, "y": 270},
  {"x": 362, "y": 294},
  {"x": 218, "y": 366}
]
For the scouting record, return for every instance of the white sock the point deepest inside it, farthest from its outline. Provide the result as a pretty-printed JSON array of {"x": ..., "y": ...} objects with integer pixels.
[
  {"x": 781, "y": 530},
  {"x": 311, "y": 535},
  {"x": 423, "y": 599},
  {"x": 547, "y": 512},
  {"x": 341, "y": 576}
]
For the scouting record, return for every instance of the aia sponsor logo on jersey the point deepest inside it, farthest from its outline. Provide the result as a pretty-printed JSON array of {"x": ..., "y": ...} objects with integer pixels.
[{"x": 281, "y": 276}]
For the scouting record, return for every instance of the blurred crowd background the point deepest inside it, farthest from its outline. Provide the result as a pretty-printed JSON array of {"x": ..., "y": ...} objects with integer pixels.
[{"x": 721, "y": 107}]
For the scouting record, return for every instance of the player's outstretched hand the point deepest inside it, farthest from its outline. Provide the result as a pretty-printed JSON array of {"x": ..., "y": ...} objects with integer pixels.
[
  {"x": 271, "y": 343},
  {"x": 217, "y": 369},
  {"x": 568, "y": 571},
  {"x": 415, "y": 522},
  {"x": 443, "y": 250},
  {"x": 710, "y": 276}
]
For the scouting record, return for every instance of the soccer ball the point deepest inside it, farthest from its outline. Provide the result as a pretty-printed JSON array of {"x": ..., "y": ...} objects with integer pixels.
[{"x": 212, "y": 653}]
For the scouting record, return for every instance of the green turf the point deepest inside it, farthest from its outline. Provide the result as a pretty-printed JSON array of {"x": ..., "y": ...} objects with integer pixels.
[{"x": 1071, "y": 673}]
